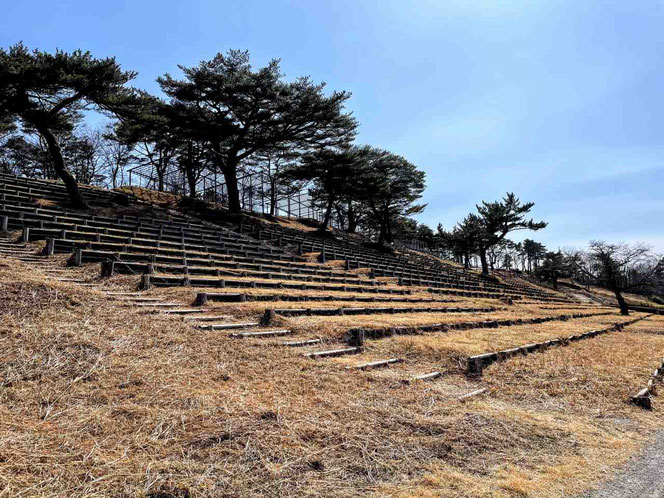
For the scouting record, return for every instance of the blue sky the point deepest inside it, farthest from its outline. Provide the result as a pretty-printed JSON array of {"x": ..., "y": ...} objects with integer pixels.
[{"x": 558, "y": 101}]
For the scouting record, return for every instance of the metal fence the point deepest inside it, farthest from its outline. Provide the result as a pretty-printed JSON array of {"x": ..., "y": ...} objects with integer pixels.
[
  {"x": 256, "y": 196},
  {"x": 256, "y": 192}
]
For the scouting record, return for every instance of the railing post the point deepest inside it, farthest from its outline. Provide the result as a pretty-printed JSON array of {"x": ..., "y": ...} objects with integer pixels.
[
  {"x": 78, "y": 256},
  {"x": 146, "y": 282},
  {"x": 107, "y": 268},
  {"x": 49, "y": 250}
]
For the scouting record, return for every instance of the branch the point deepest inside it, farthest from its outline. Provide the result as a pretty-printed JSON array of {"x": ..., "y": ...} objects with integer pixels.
[{"x": 65, "y": 102}]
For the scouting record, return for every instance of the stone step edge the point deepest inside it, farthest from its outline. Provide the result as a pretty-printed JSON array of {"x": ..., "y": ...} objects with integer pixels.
[
  {"x": 383, "y": 332},
  {"x": 266, "y": 333},
  {"x": 477, "y": 363},
  {"x": 334, "y": 352},
  {"x": 375, "y": 364}
]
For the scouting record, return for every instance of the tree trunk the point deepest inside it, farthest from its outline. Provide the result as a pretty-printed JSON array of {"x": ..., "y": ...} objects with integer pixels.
[
  {"x": 381, "y": 235},
  {"x": 485, "y": 266},
  {"x": 273, "y": 198},
  {"x": 388, "y": 231},
  {"x": 352, "y": 219},
  {"x": 191, "y": 181},
  {"x": 624, "y": 310},
  {"x": 59, "y": 164},
  {"x": 230, "y": 175},
  {"x": 466, "y": 260},
  {"x": 189, "y": 170},
  {"x": 341, "y": 218},
  {"x": 328, "y": 215},
  {"x": 160, "y": 179}
]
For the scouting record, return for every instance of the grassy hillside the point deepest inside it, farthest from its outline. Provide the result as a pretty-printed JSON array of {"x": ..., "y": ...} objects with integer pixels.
[{"x": 100, "y": 400}]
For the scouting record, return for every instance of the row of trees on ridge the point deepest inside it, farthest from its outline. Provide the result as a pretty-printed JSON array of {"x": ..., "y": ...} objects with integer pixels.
[{"x": 221, "y": 116}]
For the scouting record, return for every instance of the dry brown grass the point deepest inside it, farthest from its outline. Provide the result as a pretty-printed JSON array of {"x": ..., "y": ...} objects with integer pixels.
[
  {"x": 337, "y": 325},
  {"x": 447, "y": 351},
  {"x": 98, "y": 400},
  {"x": 45, "y": 203},
  {"x": 293, "y": 223},
  {"x": 152, "y": 196},
  {"x": 587, "y": 376}
]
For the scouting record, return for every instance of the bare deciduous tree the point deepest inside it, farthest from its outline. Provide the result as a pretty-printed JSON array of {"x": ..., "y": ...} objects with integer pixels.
[{"x": 620, "y": 268}]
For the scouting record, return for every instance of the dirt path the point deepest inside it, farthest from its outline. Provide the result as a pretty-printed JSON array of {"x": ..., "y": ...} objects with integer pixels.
[{"x": 642, "y": 477}]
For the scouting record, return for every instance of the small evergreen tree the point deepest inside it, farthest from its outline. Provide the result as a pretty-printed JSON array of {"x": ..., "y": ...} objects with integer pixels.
[
  {"x": 390, "y": 185},
  {"x": 533, "y": 251},
  {"x": 554, "y": 267},
  {"x": 497, "y": 219},
  {"x": 331, "y": 172}
]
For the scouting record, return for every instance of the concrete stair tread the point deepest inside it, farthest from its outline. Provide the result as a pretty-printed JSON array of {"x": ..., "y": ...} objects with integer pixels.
[
  {"x": 182, "y": 311},
  {"x": 333, "y": 352},
  {"x": 374, "y": 364},
  {"x": 130, "y": 299},
  {"x": 208, "y": 318},
  {"x": 228, "y": 326},
  {"x": 298, "y": 344},
  {"x": 262, "y": 333},
  {"x": 152, "y": 305},
  {"x": 426, "y": 376}
]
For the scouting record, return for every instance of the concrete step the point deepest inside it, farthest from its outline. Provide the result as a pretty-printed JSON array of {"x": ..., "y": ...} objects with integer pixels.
[
  {"x": 183, "y": 311},
  {"x": 152, "y": 305},
  {"x": 333, "y": 352},
  {"x": 374, "y": 364},
  {"x": 131, "y": 299},
  {"x": 204, "y": 297},
  {"x": 299, "y": 344},
  {"x": 427, "y": 376},
  {"x": 228, "y": 326},
  {"x": 262, "y": 333},
  {"x": 208, "y": 318}
]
